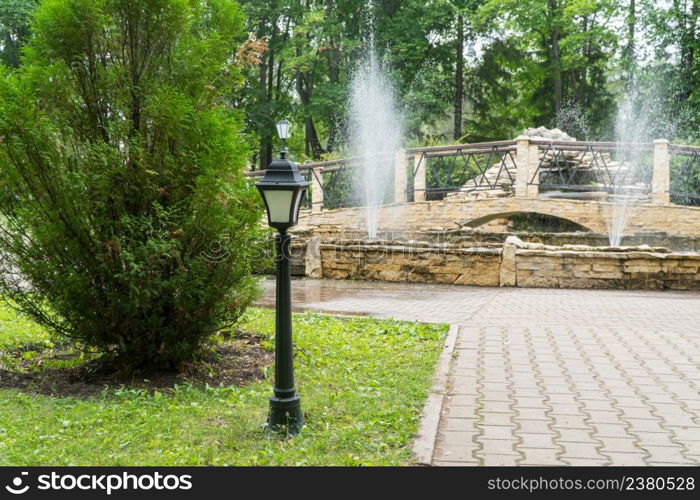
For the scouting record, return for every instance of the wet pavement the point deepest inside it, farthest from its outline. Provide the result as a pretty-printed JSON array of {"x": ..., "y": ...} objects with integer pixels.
[{"x": 549, "y": 376}]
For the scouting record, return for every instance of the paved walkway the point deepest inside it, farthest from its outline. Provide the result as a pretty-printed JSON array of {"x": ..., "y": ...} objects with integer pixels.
[{"x": 551, "y": 377}]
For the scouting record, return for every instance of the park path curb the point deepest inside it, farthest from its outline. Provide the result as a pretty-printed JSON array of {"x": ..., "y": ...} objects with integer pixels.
[{"x": 424, "y": 442}]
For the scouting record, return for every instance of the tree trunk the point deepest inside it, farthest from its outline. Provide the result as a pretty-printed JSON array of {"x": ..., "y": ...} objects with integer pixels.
[
  {"x": 459, "y": 77},
  {"x": 686, "y": 27},
  {"x": 304, "y": 86},
  {"x": 265, "y": 153},
  {"x": 333, "y": 57},
  {"x": 694, "y": 75},
  {"x": 629, "y": 57},
  {"x": 556, "y": 56}
]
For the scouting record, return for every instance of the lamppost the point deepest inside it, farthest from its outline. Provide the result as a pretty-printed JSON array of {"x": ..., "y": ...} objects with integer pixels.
[{"x": 283, "y": 189}]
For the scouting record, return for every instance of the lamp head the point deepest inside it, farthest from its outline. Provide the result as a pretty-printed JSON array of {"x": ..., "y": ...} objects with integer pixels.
[
  {"x": 284, "y": 129},
  {"x": 283, "y": 190}
]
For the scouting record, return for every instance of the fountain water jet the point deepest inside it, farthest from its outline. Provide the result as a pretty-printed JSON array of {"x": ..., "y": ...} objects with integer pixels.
[
  {"x": 637, "y": 121},
  {"x": 374, "y": 123}
]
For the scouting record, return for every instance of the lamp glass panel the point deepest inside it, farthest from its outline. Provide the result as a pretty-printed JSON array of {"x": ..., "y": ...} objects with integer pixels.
[
  {"x": 297, "y": 204},
  {"x": 279, "y": 201}
]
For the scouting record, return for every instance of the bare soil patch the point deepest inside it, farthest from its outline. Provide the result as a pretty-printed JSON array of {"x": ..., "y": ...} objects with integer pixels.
[{"x": 238, "y": 360}]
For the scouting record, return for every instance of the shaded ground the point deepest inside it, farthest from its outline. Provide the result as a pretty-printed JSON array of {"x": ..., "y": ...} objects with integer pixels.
[{"x": 235, "y": 361}]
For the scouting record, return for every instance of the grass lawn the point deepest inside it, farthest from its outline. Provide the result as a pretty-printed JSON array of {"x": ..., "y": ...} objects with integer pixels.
[{"x": 362, "y": 383}]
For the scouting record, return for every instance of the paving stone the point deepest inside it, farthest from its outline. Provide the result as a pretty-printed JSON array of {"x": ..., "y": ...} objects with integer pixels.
[
  {"x": 533, "y": 426},
  {"x": 695, "y": 458},
  {"x": 627, "y": 459},
  {"x": 630, "y": 402},
  {"x": 610, "y": 430},
  {"x": 643, "y": 425},
  {"x": 530, "y": 402},
  {"x": 604, "y": 417},
  {"x": 598, "y": 405},
  {"x": 460, "y": 412},
  {"x": 571, "y": 422},
  {"x": 656, "y": 438},
  {"x": 539, "y": 456},
  {"x": 637, "y": 413},
  {"x": 499, "y": 432},
  {"x": 499, "y": 460},
  {"x": 619, "y": 444},
  {"x": 667, "y": 454},
  {"x": 496, "y": 446},
  {"x": 500, "y": 396},
  {"x": 539, "y": 441},
  {"x": 693, "y": 447},
  {"x": 462, "y": 400},
  {"x": 585, "y": 462},
  {"x": 460, "y": 424},
  {"x": 459, "y": 463},
  {"x": 564, "y": 409},
  {"x": 464, "y": 453},
  {"x": 576, "y": 436},
  {"x": 496, "y": 419},
  {"x": 580, "y": 450},
  {"x": 567, "y": 399},
  {"x": 533, "y": 414},
  {"x": 456, "y": 438}
]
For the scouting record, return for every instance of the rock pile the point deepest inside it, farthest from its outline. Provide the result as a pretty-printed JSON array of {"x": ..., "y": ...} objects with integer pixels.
[{"x": 548, "y": 134}]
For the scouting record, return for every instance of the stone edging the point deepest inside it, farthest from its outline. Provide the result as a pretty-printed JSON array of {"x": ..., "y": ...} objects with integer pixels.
[{"x": 425, "y": 440}]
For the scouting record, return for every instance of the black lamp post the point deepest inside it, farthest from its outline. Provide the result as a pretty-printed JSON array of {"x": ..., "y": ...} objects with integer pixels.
[{"x": 283, "y": 189}]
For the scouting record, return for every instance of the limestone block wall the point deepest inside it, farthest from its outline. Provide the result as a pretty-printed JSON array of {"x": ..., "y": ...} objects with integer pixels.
[
  {"x": 419, "y": 264},
  {"x": 629, "y": 270},
  {"x": 515, "y": 263}
]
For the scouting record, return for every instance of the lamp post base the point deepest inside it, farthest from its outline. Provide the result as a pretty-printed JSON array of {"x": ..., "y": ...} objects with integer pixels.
[{"x": 285, "y": 415}]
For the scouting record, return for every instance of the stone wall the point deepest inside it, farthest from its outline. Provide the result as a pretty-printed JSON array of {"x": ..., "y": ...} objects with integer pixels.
[
  {"x": 515, "y": 263},
  {"x": 632, "y": 269},
  {"x": 422, "y": 263}
]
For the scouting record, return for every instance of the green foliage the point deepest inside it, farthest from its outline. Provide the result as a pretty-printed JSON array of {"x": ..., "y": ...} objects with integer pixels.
[
  {"x": 524, "y": 63},
  {"x": 546, "y": 55},
  {"x": 14, "y": 29},
  {"x": 363, "y": 383},
  {"x": 127, "y": 221},
  {"x": 527, "y": 63},
  {"x": 17, "y": 330},
  {"x": 674, "y": 67}
]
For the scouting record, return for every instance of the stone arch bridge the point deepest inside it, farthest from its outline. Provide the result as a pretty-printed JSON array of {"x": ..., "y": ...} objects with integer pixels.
[
  {"x": 453, "y": 213},
  {"x": 468, "y": 185}
]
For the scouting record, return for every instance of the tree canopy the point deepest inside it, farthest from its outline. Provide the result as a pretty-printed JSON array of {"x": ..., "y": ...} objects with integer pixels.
[{"x": 464, "y": 69}]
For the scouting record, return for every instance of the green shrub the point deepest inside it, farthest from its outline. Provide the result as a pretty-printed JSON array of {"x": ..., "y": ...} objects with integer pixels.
[{"x": 126, "y": 220}]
